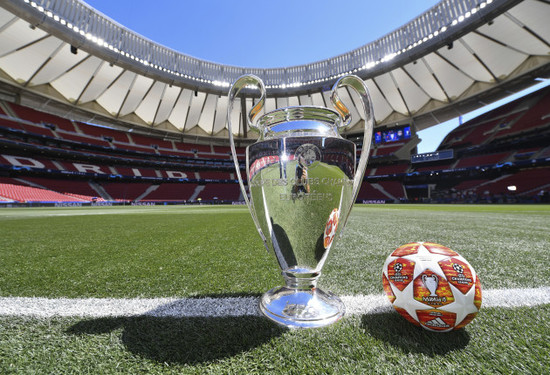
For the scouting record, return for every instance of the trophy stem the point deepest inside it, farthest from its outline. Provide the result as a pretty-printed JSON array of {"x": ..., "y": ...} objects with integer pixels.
[
  {"x": 300, "y": 304},
  {"x": 306, "y": 281}
]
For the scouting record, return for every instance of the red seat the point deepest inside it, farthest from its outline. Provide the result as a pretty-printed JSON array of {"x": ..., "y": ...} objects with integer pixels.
[{"x": 31, "y": 194}]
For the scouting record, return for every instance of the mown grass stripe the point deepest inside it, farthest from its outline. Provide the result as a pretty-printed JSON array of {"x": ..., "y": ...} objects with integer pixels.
[{"x": 223, "y": 307}]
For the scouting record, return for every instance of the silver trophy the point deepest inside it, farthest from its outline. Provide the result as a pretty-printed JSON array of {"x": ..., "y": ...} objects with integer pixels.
[{"x": 303, "y": 181}]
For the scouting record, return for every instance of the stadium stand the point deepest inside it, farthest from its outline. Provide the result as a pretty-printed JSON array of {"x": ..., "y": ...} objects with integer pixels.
[
  {"x": 369, "y": 193},
  {"x": 225, "y": 192},
  {"x": 133, "y": 171},
  {"x": 518, "y": 116},
  {"x": 103, "y": 132},
  {"x": 171, "y": 192},
  {"x": 479, "y": 160},
  {"x": 19, "y": 192},
  {"x": 215, "y": 175},
  {"x": 525, "y": 181},
  {"x": 55, "y": 159},
  {"x": 537, "y": 115},
  {"x": 38, "y": 117},
  {"x": 433, "y": 167},
  {"x": 393, "y": 189},
  {"x": 83, "y": 139},
  {"x": 81, "y": 189},
  {"x": 390, "y": 169},
  {"x": 388, "y": 149}
]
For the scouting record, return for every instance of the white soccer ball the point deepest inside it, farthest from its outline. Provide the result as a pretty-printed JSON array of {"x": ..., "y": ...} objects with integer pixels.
[{"x": 432, "y": 286}]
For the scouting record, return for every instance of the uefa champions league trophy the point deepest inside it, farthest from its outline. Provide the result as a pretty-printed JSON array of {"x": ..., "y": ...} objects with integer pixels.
[{"x": 303, "y": 181}]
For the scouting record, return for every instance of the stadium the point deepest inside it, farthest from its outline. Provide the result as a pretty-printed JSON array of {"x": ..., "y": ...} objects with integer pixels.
[{"x": 127, "y": 247}]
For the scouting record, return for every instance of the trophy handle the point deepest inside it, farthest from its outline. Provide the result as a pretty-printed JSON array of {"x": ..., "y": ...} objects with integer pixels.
[
  {"x": 359, "y": 86},
  {"x": 242, "y": 82}
]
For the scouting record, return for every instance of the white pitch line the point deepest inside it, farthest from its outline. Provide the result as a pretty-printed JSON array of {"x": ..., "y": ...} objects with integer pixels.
[
  {"x": 224, "y": 307},
  {"x": 110, "y": 307}
]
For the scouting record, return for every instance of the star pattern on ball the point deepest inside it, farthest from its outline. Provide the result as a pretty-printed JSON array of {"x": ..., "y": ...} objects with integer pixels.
[
  {"x": 463, "y": 304},
  {"x": 432, "y": 286},
  {"x": 427, "y": 260},
  {"x": 403, "y": 301}
]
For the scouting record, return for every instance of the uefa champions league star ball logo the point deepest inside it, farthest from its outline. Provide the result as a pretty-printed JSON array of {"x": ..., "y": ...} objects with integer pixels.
[
  {"x": 397, "y": 267},
  {"x": 308, "y": 155},
  {"x": 458, "y": 268}
]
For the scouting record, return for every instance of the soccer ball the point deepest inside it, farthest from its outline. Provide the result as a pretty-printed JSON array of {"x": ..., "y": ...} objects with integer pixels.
[{"x": 432, "y": 286}]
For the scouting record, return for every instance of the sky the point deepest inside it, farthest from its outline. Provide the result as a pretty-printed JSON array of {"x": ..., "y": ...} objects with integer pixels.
[
  {"x": 271, "y": 33},
  {"x": 263, "y": 34}
]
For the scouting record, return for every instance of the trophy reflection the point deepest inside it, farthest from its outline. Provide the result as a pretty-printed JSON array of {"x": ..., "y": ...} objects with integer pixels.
[
  {"x": 303, "y": 180},
  {"x": 301, "y": 184}
]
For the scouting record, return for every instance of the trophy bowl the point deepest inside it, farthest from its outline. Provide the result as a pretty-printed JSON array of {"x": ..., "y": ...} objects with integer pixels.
[{"x": 303, "y": 181}]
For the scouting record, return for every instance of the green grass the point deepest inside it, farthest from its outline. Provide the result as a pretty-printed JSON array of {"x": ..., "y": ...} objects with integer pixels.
[
  {"x": 132, "y": 252},
  {"x": 496, "y": 342},
  {"x": 214, "y": 251}
]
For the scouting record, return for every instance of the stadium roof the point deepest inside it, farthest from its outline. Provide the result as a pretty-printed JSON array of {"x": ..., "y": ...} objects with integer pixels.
[{"x": 64, "y": 57}]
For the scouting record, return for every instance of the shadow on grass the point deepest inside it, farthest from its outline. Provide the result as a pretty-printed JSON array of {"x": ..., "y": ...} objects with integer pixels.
[
  {"x": 395, "y": 330},
  {"x": 185, "y": 340}
]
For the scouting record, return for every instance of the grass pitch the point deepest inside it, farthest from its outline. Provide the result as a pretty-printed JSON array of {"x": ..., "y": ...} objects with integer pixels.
[{"x": 170, "y": 251}]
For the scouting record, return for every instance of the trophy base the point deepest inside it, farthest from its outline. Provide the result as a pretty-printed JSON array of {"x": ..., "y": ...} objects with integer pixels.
[{"x": 301, "y": 308}]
